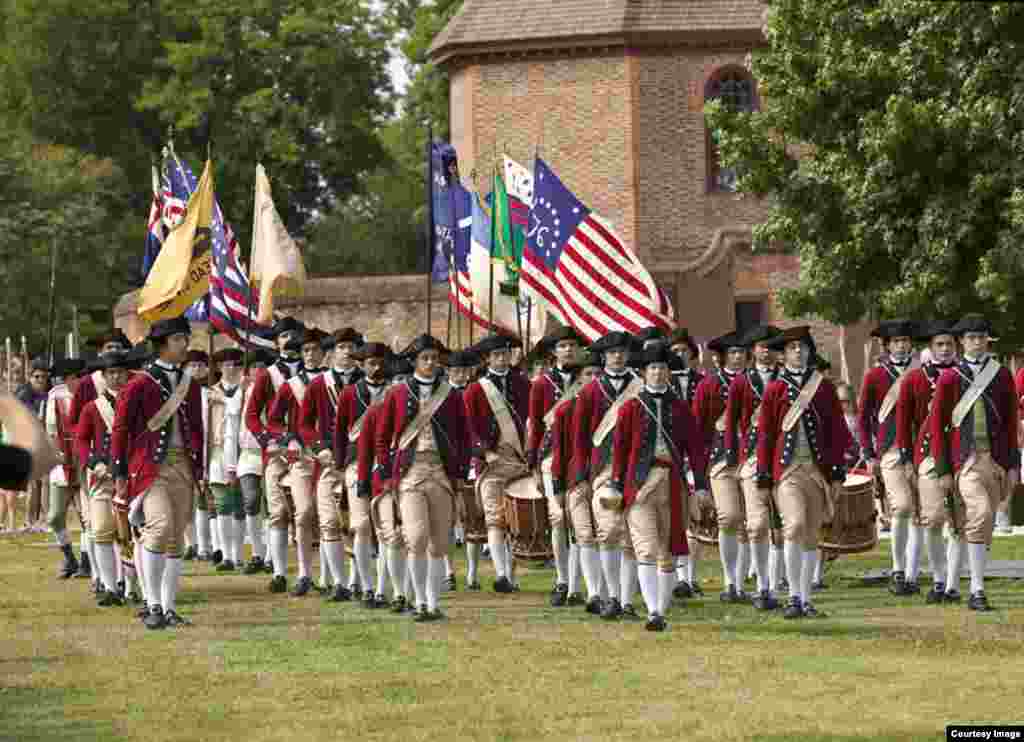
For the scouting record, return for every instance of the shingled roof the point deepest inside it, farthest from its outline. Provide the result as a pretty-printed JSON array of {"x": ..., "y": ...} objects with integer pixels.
[{"x": 480, "y": 24}]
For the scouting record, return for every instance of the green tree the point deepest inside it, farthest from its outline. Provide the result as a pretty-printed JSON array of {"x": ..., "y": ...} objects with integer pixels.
[{"x": 890, "y": 141}]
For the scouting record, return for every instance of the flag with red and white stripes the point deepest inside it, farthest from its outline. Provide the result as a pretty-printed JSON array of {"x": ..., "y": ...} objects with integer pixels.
[{"x": 581, "y": 270}]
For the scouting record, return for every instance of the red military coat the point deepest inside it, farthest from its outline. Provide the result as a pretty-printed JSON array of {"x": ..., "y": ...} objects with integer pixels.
[
  {"x": 593, "y": 401},
  {"x": 913, "y": 433},
  {"x": 451, "y": 432},
  {"x": 138, "y": 452},
  {"x": 356, "y": 400},
  {"x": 283, "y": 412},
  {"x": 951, "y": 446},
  {"x": 85, "y": 392},
  {"x": 708, "y": 407},
  {"x": 545, "y": 391},
  {"x": 827, "y": 434},
  {"x": 635, "y": 441},
  {"x": 262, "y": 391},
  {"x": 319, "y": 410},
  {"x": 561, "y": 446},
  {"x": 92, "y": 437},
  {"x": 745, "y": 396},
  {"x": 370, "y": 477},
  {"x": 876, "y": 439},
  {"x": 483, "y": 426}
]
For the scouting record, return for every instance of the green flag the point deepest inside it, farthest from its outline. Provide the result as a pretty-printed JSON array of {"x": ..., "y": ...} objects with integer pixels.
[{"x": 507, "y": 240}]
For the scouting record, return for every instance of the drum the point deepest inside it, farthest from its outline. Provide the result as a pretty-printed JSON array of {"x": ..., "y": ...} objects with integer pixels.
[
  {"x": 471, "y": 514},
  {"x": 526, "y": 510},
  {"x": 703, "y": 524},
  {"x": 852, "y": 530}
]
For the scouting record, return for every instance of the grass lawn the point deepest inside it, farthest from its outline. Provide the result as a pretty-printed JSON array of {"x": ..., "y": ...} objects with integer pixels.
[{"x": 259, "y": 667}]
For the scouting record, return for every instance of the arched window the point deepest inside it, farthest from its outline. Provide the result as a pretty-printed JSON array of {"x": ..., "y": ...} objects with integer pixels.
[{"x": 736, "y": 89}]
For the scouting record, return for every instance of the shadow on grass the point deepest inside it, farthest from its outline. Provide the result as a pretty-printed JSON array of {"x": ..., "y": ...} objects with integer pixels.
[{"x": 38, "y": 715}]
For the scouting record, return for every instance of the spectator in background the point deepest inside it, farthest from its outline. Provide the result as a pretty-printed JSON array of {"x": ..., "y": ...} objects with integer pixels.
[
  {"x": 33, "y": 395},
  {"x": 848, "y": 402}
]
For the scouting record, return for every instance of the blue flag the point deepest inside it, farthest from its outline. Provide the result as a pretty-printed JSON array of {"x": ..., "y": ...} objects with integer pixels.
[{"x": 441, "y": 210}]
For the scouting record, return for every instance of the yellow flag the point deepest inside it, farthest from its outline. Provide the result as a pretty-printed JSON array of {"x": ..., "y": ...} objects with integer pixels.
[
  {"x": 277, "y": 267},
  {"x": 181, "y": 273}
]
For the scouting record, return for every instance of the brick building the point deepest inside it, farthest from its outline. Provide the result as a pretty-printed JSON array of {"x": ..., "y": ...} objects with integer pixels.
[{"x": 611, "y": 93}]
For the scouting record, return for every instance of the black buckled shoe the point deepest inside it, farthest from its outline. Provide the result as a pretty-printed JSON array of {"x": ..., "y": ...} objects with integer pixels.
[
  {"x": 765, "y": 601},
  {"x": 135, "y": 597},
  {"x": 422, "y": 615},
  {"x": 190, "y": 553},
  {"x": 783, "y": 586},
  {"x": 504, "y": 585},
  {"x": 574, "y": 599},
  {"x": 450, "y": 583},
  {"x": 629, "y": 612},
  {"x": 302, "y": 587},
  {"x": 70, "y": 565},
  {"x": 978, "y": 602},
  {"x": 898, "y": 584},
  {"x": 913, "y": 588},
  {"x": 952, "y": 596},
  {"x": 794, "y": 609},
  {"x": 612, "y": 610},
  {"x": 656, "y": 622},
  {"x": 682, "y": 591},
  {"x": 594, "y": 606},
  {"x": 217, "y": 557},
  {"x": 811, "y": 612},
  {"x": 279, "y": 584},
  {"x": 226, "y": 566},
  {"x": 559, "y": 595},
  {"x": 731, "y": 595},
  {"x": 340, "y": 594},
  {"x": 369, "y": 600},
  {"x": 818, "y": 585},
  {"x": 935, "y": 595},
  {"x": 696, "y": 588},
  {"x": 379, "y": 601},
  {"x": 254, "y": 567},
  {"x": 398, "y": 605},
  {"x": 473, "y": 587},
  {"x": 357, "y": 592},
  {"x": 155, "y": 618},
  {"x": 143, "y": 611},
  {"x": 268, "y": 566},
  {"x": 109, "y": 599},
  {"x": 174, "y": 621}
]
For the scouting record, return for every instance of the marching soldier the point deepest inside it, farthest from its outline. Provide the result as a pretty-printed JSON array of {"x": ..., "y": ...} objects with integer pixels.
[
  {"x": 913, "y": 440},
  {"x": 596, "y": 508},
  {"x": 92, "y": 440},
  {"x": 64, "y": 477},
  {"x": 974, "y": 444},
  {"x": 224, "y": 428},
  {"x": 156, "y": 448},
  {"x": 202, "y": 538},
  {"x": 709, "y": 409},
  {"x": 498, "y": 406},
  {"x": 461, "y": 364},
  {"x": 877, "y": 431},
  {"x": 299, "y": 464},
  {"x": 423, "y": 442},
  {"x": 250, "y": 466},
  {"x": 801, "y": 440},
  {"x": 547, "y": 390},
  {"x": 741, "y": 426},
  {"x": 653, "y": 431},
  {"x": 265, "y": 385}
]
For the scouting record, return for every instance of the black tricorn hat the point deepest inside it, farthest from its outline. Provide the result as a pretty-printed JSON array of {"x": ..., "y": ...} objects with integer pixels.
[
  {"x": 801, "y": 333},
  {"x": 197, "y": 356},
  {"x": 584, "y": 359},
  {"x": 372, "y": 350},
  {"x": 972, "y": 323},
  {"x": 230, "y": 355},
  {"x": 115, "y": 335},
  {"x": 401, "y": 366},
  {"x": 463, "y": 359},
  {"x": 117, "y": 359},
  {"x": 651, "y": 335},
  {"x": 259, "y": 355},
  {"x": 287, "y": 324},
  {"x": 65, "y": 367},
  {"x": 166, "y": 327},
  {"x": 422, "y": 343},
  {"x": 657, "y": 353},
  {"x": 682, "y": 335},
  {"x": 344, "y": 335},
  {"x": 928, "y": 330},
  {"x": 497, "y": 341},
  {"x": 895, "y": 328},
  {"x": 613, "y": 340},
  {"x": 546, "y": 344},
  {"x": 760, "y": 334},
  {"x": 722, "y": 343}
]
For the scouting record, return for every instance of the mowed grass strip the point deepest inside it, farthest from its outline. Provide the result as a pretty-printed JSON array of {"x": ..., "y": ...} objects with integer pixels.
[{"x": 259, "y": 667}]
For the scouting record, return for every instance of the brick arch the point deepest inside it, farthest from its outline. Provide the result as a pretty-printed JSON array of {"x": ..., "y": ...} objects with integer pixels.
[{"x": 713, "y": 76}]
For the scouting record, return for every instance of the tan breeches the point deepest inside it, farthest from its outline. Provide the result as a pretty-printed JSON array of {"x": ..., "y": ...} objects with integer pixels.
[
  {"x": 425, "y": 500},
  {"x": 983, "y": 485},
  {"x": 899, "y": 486},
  {"x": 931, "y": 496},
  {"x": 729, "y": 504},
  {"x": 492, "y": 484},
  {"x": 101, "y": 514},
  {"x": 756, "y": 504},
  {"x": 581, "y": 513},
  {"x": 556, "y": 505},
  {"x": 359, "y": 522},
  {"x": 649, "y": 519},
  {"x": 384, "y": 514},
  {"x": 303, "y": 493},
  {"x": 330, "y": 488},
  {"x": 167, "y": 508},
  {"x": 612, "y": 531},
  {"x": 801, "y": 494}
]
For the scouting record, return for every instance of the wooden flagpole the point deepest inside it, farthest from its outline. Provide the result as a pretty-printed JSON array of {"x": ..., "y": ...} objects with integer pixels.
[{"x": 430, "y": 230}]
